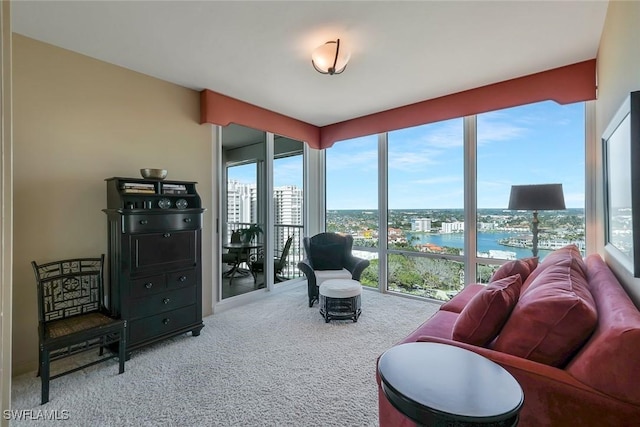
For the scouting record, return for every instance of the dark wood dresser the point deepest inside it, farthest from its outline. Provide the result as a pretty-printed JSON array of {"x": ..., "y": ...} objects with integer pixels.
[{"x": 155, "y": 272}]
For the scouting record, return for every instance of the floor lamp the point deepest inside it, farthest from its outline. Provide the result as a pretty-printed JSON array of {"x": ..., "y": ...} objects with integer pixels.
[{"x": 539, "y": 197}]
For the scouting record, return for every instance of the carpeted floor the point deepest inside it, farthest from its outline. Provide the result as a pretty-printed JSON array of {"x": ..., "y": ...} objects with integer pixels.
[{"x": 273, "y": 362}]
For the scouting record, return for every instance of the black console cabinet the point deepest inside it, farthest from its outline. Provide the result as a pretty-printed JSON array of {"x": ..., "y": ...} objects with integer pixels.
[{"x": 155, "y": 233}]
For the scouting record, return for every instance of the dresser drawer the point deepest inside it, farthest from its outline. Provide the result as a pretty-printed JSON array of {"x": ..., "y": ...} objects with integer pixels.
[
  {"x": 161, "y": 302},
  {"x": 182, "y": 279},
  {"x": 149, "y": 222},
  {"x": 147, "y": 286},
  {"x": 155, "y": 252},
  {"x": 163, "y": 323}
]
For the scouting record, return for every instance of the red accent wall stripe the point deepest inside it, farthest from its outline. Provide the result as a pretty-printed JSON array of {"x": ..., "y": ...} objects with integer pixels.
[
  {"x": 223, "y": 110},
  {"x": 568, "y": 84},
  {"x": 565, "y": 85}
]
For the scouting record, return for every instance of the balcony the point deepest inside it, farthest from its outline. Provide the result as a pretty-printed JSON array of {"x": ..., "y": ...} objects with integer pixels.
[{"x": 244, "y": 281}]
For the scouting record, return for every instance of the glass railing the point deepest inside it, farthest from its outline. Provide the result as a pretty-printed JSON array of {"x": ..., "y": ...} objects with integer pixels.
[{"x": 280, "y": 236}]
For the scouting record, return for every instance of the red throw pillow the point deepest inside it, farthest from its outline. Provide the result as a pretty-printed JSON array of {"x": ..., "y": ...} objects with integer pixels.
[
  {"x": 553, "y": 318},
  {"x": 565, "y": 253},
  {"x": 523, "y": 267},
  {"x": 485, "y": 314}
]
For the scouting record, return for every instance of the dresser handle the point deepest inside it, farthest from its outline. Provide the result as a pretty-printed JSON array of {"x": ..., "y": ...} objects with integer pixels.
[
  {"x": 166, "y": 301},
  {"x": 148, "y": 285},
  {"x": 144, "y": 221},
  {"x": 187, "y": 220},
  {"x": 165, "y": 321},
  {"x": 166, "y": 235},
  {"x": 182, "y": 278}
]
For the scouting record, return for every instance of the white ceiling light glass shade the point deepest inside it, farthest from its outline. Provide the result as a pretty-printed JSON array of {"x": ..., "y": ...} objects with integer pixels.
[{"x": 330, "y": 58}]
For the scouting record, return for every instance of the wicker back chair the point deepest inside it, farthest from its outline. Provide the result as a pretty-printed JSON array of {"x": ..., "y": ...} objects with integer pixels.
[{"x": 72, "y": 317}]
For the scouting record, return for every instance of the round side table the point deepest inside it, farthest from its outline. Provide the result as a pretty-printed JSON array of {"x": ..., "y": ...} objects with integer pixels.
[{"x": 443, "y": 385}]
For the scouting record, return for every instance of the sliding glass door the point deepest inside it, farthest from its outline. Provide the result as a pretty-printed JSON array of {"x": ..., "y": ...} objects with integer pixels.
[
  {"x": 288, "y": 208},
  {"x": 243, "y": 158},
  {"x": 262, "y": 190}
]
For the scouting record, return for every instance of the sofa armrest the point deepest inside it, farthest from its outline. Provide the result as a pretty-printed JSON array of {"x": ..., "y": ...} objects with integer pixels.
[
  {"x": 509, "y": 361},
  {"x": 552, "y": 396}
]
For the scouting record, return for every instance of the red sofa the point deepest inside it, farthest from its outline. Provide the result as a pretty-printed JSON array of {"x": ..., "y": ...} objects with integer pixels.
[{"x": 593, "y": 380}]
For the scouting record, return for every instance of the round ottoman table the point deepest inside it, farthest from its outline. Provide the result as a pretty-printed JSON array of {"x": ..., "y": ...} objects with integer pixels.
[{"x": 340, "y": 299}]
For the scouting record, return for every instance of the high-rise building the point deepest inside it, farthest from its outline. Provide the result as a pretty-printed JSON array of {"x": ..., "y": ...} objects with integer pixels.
[
  {"x": 241, "y": 202},
  {"x": 242, "y": 207},
  {"x": 421, "y": 224},
  {"x": 452, "y": 227},
  {"x": 287, "y": 211}
]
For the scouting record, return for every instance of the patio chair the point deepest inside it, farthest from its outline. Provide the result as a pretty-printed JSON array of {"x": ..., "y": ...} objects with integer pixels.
[
  {"x": 328, "y": 256},
  {"x": 279, "y": 263},
  {"x": 235, "y": 257}
]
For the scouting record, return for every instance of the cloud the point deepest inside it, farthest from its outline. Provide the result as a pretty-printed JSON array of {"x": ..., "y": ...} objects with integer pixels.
[
  {"x": 365, "y": 158},
  {"x": 441, "y": 135},
  {"x": 288, "y": 171},
  {"x": 413, "y": 160},
  {"x": 496, "y": 131}
]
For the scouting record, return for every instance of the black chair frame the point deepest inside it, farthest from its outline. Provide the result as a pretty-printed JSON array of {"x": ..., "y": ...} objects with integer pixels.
[
  {"x": 257, "y": 266},
  {"x": 72, "y": 316},
  {"x": 235, "y": 257},
  {"x": 352, "y": 263}
]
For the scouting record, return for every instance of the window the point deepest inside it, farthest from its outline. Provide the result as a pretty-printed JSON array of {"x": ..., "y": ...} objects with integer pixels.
[
  {"x": 352, "y": 198},
  {"x": 425, "y": 193},
  {"x": 424, "y": 253},
  {"x": 540, "y": 143},
  {"x": 242, "y": 196},
  {"x": 288, "y": 201}
]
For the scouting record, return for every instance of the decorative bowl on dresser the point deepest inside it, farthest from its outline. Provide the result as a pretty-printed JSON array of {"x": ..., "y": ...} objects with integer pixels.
[{"x": 155, "y": 271}]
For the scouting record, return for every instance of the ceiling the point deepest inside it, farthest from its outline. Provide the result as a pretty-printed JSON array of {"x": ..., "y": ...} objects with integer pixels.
[{"x": 260, "y": 51}]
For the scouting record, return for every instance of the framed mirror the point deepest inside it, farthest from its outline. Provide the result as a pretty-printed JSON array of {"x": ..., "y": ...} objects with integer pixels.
[{"x": 621, "y": 152}]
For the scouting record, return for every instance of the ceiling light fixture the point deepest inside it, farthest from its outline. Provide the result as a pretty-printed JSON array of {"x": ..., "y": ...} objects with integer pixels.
[{"x": 330, "y": 58}]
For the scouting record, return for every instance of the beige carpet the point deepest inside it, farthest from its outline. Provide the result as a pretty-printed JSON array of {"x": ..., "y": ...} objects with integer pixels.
[{"x": 270, "y": 363}]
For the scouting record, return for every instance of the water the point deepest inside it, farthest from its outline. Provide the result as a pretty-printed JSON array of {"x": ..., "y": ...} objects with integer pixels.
[{"x": 486, "y": 241}]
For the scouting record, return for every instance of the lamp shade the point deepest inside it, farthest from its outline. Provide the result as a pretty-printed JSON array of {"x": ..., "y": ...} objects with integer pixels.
[
  {"x": 330, "y": 58},
  {"x": 538, "y": 197}
]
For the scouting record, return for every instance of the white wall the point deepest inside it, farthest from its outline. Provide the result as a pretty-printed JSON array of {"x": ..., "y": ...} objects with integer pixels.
[
  {"x": 618, "y": 74},
  {"x": 78, "y": 121},
  {"x": 6, "y": 208}
]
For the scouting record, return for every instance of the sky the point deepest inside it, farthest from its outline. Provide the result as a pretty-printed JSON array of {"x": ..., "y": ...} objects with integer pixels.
[{"x": 540, "y": 143}]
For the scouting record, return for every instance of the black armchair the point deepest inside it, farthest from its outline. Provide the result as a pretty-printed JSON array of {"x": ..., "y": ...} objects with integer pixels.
[{"x": 328, "y": 256}]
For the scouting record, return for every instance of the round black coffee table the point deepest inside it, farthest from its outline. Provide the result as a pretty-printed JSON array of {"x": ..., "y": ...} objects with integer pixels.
[{"x": 443, "y": 385}]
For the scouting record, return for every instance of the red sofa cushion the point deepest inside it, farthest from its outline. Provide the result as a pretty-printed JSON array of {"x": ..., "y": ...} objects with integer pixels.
[
  {"x": 559, "y": 255},
  {"x": 462, "y": 298},
  {"x": 553, "y": 317},
  {"x": 522, "y": 266},
  {"x": 483, "y": 317}
]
